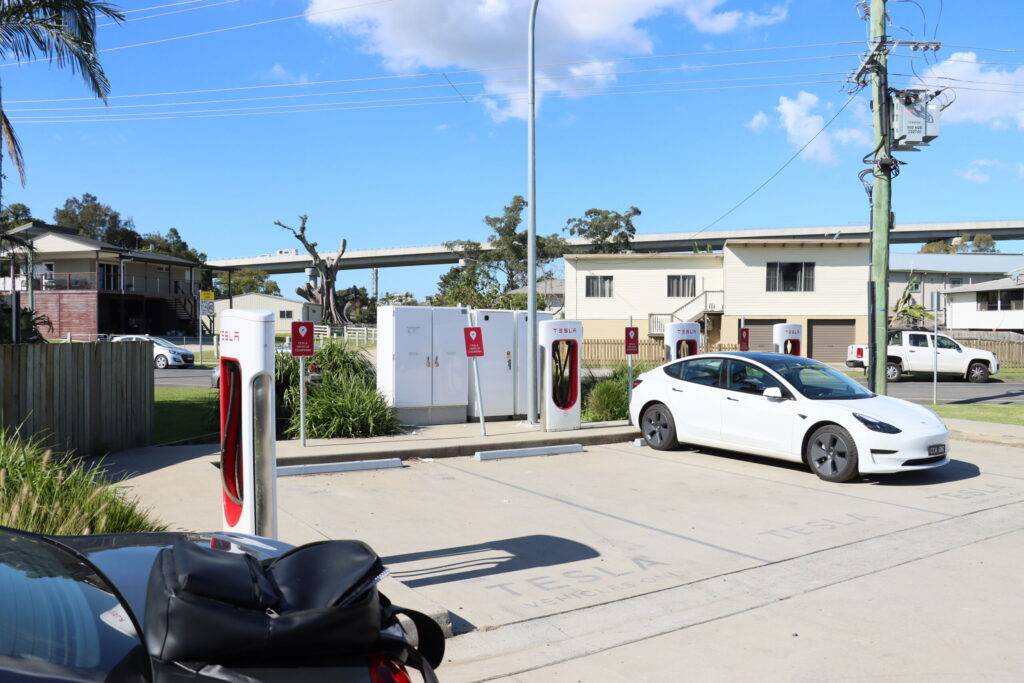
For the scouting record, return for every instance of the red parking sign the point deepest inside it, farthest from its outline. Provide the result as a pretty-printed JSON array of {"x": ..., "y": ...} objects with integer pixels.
[
  {"x": 474, "y": 341},
  {"x": 302, "y": 339},
  {"x": 632, "y": 341},
  {"x": 744, "y": 339}
]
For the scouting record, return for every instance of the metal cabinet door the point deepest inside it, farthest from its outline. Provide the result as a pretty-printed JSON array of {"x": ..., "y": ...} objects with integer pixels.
[
  {"x": 414, "y": 362},
  {"x": 519, "y": 364},
  {"x": 497, "y": 379},
  {"x": 449, "y": 384}
]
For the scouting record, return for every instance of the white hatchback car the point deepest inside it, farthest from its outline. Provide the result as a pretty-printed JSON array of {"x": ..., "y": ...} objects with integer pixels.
[
  {"x": 786, "y": 407},
  {"x": 165, "y": 354}
]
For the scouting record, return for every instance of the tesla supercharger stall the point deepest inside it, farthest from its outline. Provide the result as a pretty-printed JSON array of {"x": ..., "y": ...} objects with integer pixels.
[
  {"x": 560, "y": 345},
  {"x": 248, "y": 462},
  {"x": 786, "y": 338},
  {"x": 681, "y": 340}
]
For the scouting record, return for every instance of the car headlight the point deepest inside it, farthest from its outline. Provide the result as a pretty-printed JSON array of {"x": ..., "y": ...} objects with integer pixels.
[{"x": 876, "y": 425}]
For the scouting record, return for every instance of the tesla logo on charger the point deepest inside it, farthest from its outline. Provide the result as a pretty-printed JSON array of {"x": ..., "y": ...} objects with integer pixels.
[{"x": 302, "y": 339}]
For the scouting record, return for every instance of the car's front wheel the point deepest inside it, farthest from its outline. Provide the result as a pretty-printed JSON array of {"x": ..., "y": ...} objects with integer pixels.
[
  {"x": 832, "y": 454},
  {"x": 160, "y": 362},
  {"x": 658, "y": 427},
  {"x": 978, "y": 372}
]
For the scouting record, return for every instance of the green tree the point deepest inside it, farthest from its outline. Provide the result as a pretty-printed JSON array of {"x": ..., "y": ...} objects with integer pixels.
[
  {"x": 488, "y": 271},
  {"x": 246, "y": 281},
  {"x": 97, "y": 221},
  {"x": 61, "y": 31},
  {"x": 14, "y": 215},
  {"x": 981, "y": 243},
  {"x": 171, "y": 244},
  {"x": 609, "y": 232},
  {"x": 398, "y": 299}
]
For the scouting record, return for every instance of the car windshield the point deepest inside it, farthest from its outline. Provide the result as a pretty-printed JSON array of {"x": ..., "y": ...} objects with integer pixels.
[
  {"x": 60, "y": 620},
  {"x": 816, "y": 380}
]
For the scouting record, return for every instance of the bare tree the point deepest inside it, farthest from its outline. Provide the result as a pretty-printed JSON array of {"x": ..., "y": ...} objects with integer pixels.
[{"x": 322, "y": 291}]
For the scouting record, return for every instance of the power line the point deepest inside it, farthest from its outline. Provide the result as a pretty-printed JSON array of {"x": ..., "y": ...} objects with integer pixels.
[
  {"x": 779, "y": 170},
  {"x": 153, "y": 7},
  {"x": 100, "y": 107},
  {"x": 223, "y": 29},
  {"x": 168, "y": 13},
  {"x": 383, "y": 104},
  {"x": 358, "y": 79}
]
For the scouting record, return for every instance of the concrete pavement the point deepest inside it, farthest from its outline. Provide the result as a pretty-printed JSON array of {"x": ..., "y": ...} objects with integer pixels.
[{"x": 623, "y": 563}]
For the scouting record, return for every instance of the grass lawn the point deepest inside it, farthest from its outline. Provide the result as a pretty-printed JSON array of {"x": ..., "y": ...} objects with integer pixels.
[
  {"x": 185, "y": 413},
  {"x": 983, "y": 412},
  {"x": 1005, "y": 375}
]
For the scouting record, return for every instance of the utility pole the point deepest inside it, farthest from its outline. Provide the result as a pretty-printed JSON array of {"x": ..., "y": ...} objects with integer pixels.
[{"x": 881, "y": 194}]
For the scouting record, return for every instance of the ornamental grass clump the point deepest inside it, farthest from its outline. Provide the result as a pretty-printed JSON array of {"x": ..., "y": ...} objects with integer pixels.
[{"x": 59, "y": 494}]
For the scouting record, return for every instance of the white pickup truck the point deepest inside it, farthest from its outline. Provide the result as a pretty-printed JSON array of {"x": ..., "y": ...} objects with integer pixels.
[{"x": 911, "y": 351}]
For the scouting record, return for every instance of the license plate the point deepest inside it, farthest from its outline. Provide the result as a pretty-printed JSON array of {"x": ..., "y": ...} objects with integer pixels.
[{"x": 938, "y": 449}]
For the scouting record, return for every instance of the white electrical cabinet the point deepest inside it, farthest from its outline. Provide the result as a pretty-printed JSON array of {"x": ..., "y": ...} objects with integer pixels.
[
  {"x": 915, "y": 120},
  {"x": 497, "y": 366},
  {"x": 422, "y": 367}
]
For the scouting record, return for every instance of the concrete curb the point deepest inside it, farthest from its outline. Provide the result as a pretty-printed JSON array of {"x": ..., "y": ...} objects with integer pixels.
[{"x": 410, "y": 450}]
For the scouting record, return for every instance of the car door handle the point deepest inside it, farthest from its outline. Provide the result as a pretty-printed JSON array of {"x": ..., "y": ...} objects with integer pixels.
[
  {"x": 679, "y": 390},
  {"x": 730, "y": 398}
]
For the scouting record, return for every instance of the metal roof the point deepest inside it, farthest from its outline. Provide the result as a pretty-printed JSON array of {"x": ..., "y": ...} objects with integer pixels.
[
  {"x": 990, "y": 286},
  {"x": 956, "y": 263}
]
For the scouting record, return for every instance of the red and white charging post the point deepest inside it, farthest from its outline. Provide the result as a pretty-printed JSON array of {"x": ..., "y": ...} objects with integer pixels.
[
  {"x": 474, "y": 337},
  {"x": 632, "y": 349},
  {"x": 303, "y": 346}
]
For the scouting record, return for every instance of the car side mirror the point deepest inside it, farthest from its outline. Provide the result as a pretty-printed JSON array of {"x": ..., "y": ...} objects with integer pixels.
[{"x": 773, "y": 394}]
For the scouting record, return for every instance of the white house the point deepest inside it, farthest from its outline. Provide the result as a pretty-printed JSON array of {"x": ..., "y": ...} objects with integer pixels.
[
  {"x": 285, "y": 310},
  {"x": 940, "y": 272},
  {"x": 993, "y": 305}
]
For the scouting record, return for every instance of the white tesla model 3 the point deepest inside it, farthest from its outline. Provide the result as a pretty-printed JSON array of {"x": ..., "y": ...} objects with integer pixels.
[{"x": 785, "y": 407}]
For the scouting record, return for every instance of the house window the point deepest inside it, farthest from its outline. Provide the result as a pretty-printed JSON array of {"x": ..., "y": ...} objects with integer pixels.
[
  {"x": 682, "y": 286},
  {"x": 915, "y": 286},
  {"x": 599, "y": 286},
  {"x": 956, "y": 281},
  {"x": 107, "y": 277},
  {"x": 286, "y": 315},
  {"x": 988, "y": 301},
  {"x": 790, "y": 277},
  {"x": 1011, "y": 299}
]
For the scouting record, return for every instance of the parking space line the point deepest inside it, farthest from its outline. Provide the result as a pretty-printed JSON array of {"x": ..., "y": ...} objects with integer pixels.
[
  {"x": 783, "y": 483},
  {"x": 602, "y": 513}
]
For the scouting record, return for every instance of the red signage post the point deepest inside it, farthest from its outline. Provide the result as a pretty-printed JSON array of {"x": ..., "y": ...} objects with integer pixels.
[
  {"x": 744, "y": 339},
  {"x": 302, "y": 339},
  {"x": 474, "y": 341},
  {"x": 632, "y": 341}
]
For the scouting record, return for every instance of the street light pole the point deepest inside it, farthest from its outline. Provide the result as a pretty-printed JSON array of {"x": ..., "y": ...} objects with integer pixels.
[{"x": 531, "y": 229}]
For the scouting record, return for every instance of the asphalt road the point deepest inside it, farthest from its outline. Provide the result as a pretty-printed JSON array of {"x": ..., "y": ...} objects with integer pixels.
[
  {"x": 182, "y": 377},
  {"x": 920, "y": 391}
]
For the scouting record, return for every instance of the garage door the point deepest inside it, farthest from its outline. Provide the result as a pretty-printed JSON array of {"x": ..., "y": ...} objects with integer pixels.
[
  {"x": 827, "y": 339},
  {"x": 761, "y": 334}
]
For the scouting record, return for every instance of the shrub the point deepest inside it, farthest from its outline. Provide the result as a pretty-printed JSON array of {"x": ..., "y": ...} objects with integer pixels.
[
  {"x": 607, "y": 401},
  {"x": 51, "y": 494},
  {"x": 345, "y": 403}
]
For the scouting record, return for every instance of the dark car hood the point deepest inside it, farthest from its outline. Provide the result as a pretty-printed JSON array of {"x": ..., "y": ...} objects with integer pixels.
[{"x": 125, "y": 559}]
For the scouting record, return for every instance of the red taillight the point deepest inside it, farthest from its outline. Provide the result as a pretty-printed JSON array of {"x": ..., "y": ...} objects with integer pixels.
[
  {"x": 636, "y": 383},
  {"x": 860, "y": 352},
  {"x": 387, "y": 670}
]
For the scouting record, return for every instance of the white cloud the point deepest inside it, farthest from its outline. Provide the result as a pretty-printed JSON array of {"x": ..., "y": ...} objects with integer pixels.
[
  {"x": 989, "y": 96},
  {"x": 799, "y": 119},
  {"x": 980, "y": 171},
  {"x": 490, "y": 35},
  {"x": 758, "y": 123},
  {"x": 280, "y": 74}
]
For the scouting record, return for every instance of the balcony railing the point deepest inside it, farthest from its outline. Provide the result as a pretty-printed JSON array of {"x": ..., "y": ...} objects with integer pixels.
[
  {"x": 709, "y": 301},
  {"x": 50, "y": 282}
]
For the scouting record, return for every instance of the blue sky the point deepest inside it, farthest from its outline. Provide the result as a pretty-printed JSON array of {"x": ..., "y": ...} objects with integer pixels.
[{"x": 679, "y": 107}]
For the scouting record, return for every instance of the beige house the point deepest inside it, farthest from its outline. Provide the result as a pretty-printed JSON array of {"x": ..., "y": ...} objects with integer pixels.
[
  {"x": 286, "y": 311},
  {"x": 757, "y": 283}
]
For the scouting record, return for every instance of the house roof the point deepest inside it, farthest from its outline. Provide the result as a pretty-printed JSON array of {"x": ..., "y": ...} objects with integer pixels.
[
  {"x": 640, "y": 256},
  {"x": 957, "y": 263},
  {"x": 990, "y": 286},
  {"x": 546, "y": 287},
  {"x": 797, "y": 243},
  {"x": 270, "y": 296},
  {"x": 35, "y": 229}
]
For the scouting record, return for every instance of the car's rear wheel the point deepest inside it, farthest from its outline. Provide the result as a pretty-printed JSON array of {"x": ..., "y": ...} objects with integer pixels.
[
  {"x": 832, "y": 454},
  {"x": 160, "y": 362},
  {"x": 893, "y": 372},
  {"x": 978, "y": 372},
  {"x": 658, "y": 427}
]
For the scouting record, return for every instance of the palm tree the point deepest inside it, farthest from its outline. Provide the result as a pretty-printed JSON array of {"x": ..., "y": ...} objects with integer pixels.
[{"x": 61, "y": 31}]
